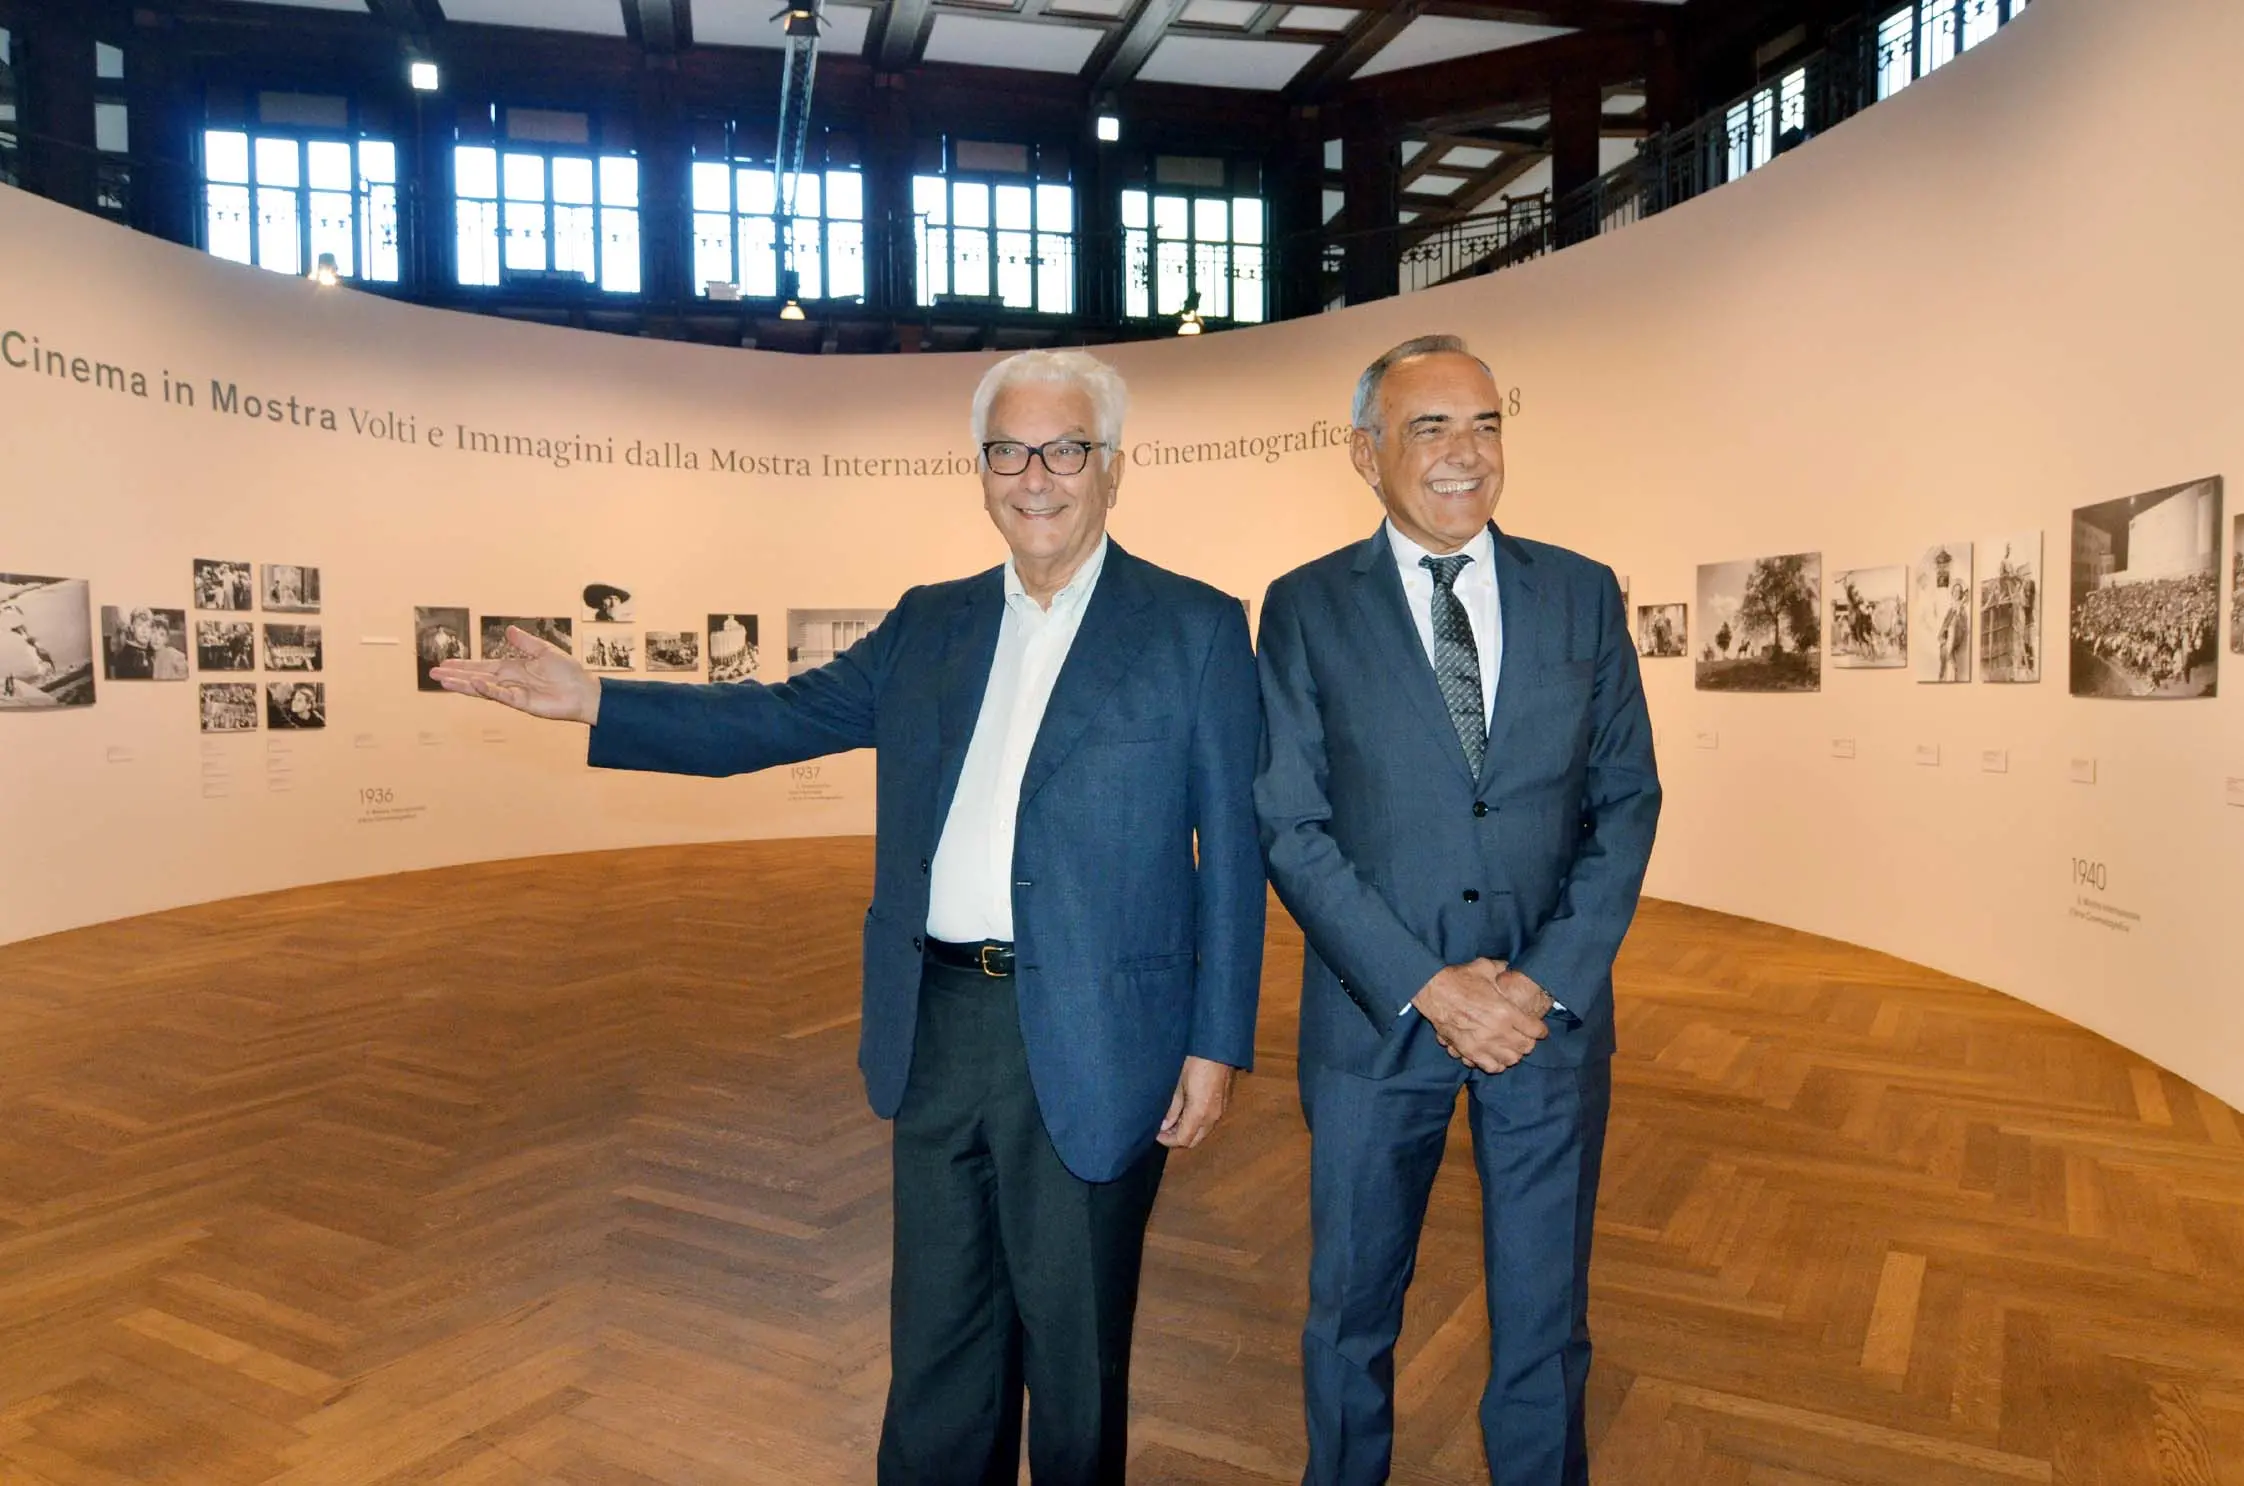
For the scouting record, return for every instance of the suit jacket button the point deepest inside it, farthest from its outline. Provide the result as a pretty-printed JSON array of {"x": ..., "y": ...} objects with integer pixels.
[
  {"x": 923, "y": 866},
  {"x": 918, "y": 943},
  {"x": 1480, "y": 808},
  {"x": 1472, "y": 895}
]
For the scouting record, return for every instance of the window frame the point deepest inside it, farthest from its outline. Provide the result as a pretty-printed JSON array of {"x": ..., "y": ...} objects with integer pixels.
[
  {"x": 739, "y": 160},
  {"x": 365, "y": 190},
  {"x": 1052, "y": 258},
  {"x": 1207, "y": 260},
  {"x": 550, "y": 206}
]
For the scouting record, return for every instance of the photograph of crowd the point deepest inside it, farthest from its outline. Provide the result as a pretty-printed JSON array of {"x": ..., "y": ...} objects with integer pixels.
[
  {"x": 673, "y": 650},
  {"x": 604, "y": 603},
  {"x": 296, "y": 704},
  {"x": 1870, "y": 619},
  {"x": 439, "y": 635},
  {"x": 816, "y": 636},
  {"x": 559, "y": 633},
  {"x": 1663, "y": 631},
  {"x": 1940, "y": 605},
  {"x": 225, "y": 645},
  {"x": 291, "y": 588},
  {"x": 229, "y": 706},
  {"x": 2146, "y": 594},
  {"x": 143, "y": 644},
  {"x": 293, "y": 647},
  {"x": 2010, "y": 609},
  {"x": 732, "y": 647},
  {"x": 46, "y": 643},
  {"x": 222, "y": 585},
  {"x": 604, "y": 651},
  {"x": 1761, "y": 624}
]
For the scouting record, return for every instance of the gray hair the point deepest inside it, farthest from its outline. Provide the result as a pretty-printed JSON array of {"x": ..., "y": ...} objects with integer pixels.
[
  {"x": 1110, "y": 399},
  {"x": 1364, "y": 412}
]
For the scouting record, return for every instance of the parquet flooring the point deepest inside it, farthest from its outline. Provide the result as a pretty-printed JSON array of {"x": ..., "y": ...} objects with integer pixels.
[{"x": 558, "y": 1171}]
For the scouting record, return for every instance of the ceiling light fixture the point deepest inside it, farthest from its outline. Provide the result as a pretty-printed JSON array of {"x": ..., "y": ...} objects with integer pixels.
[
  {"x": 790, "y": 289},
  {"x": 423, "y": 76},
  {"x": 324, "y": 273},
  {"x": 1110, "y": 128},
  {"x": 1190, "y": 323}
]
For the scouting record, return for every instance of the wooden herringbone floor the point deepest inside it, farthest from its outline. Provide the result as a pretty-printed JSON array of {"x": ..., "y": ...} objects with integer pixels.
[{"x": 558, "y": 1171}]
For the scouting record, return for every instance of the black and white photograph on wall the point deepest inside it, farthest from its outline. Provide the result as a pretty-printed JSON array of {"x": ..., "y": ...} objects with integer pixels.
[
  {"x": 439, "y": 635},
  {"x": 296, "y": 704},
  {"x": 225, "y": 645},
  {"x": 46, "y": 643},
  {"x": 1663, "y": 631},
  {"x": 816, "y": 636},
  {"x": 222, "y": 585},
  {"x": 2236, "y": 596},
  {"x": 673, "y": 650},
  {"x": 559, "y": 632},
  {"x": 1870, "y": 619},
  {"x": 1761, "y": 624},
  {"x": 2147, "y": 595},
  {"x": 1940, "y": 613},
  {"x": 2010, "y": 608},
  {"x": 143, "y": 644},
  {"x": 611, "y": 651},
  {"x": 604, "y": 603},
  {"x": 293, "y": 647},
  {"x": 732, "y": 647},
  {"x": 229, "y": 706},
  {"x": 291, "y": 588}
]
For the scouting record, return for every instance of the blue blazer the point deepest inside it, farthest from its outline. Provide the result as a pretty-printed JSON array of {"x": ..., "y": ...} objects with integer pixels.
[
  {"x": 1131, "y": 952},
  {"x": 1394, "y": 857}
]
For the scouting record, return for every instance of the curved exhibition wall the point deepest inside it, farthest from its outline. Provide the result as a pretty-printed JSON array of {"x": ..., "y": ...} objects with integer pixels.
[{"x": 2007, "y": 294}]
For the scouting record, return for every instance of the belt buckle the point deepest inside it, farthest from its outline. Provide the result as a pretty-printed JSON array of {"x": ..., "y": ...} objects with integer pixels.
[{"x": 987, "y": 951}]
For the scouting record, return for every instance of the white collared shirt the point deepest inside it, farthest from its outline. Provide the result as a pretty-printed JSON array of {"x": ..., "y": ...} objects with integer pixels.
[
  {"x": 970, "y": 895},
  {"x": 1475, "y": 589}
]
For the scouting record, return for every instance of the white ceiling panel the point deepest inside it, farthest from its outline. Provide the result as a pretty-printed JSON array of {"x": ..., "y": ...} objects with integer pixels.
[
  {"x": 1624, "y": 103},
  {"x": 757, "y": 23},
  {"x": 1436, "y": 185},
  {"x": 1469, "y": 157},
  {"x": 1317, "y": 18},
  {"x": 1101, "y": 9},
  {"x": 1613, "y": 153},
  {"x": 357, "y": 6},
  {"x": 1538, "y": 178},
  {"x": 1437, "y": 38},
  {"x": 984, "y": 41},
  {"x": 1235, "y": 15},
  {"x": 1412, "y": 149},
  {"x": 598, "y": 17},
  {"x": 1220, "y": 62}
]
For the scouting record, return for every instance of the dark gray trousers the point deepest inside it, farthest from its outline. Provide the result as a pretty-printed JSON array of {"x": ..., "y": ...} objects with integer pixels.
[{"x": 1011, "y": 1272}]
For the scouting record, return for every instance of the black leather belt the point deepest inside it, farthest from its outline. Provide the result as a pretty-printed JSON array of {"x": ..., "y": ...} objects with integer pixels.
[{"x": 990, "y": 957}]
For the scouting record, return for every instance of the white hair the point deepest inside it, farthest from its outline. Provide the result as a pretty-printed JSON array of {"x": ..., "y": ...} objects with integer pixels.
[
  {"x": 1364, "y": 412},
  {"x": 1110, "y": 400}
]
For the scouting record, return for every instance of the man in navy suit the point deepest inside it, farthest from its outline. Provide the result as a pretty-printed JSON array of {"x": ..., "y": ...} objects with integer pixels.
[
  {"x": 1064, "y": 947},
  {"x": 1457, "y": 796}
]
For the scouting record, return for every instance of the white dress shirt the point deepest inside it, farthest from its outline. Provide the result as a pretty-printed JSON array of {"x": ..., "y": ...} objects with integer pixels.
[
  {"x": 970, "y": 895},
  {"x": 1475, "y": 589}
]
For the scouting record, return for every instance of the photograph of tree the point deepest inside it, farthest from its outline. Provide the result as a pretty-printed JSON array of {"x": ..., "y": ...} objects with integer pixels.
[{"x": 1761, "y": 624}]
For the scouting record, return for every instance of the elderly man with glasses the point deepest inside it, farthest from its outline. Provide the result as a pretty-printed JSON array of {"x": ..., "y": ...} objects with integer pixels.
[{"x": 1063, "y": 952}]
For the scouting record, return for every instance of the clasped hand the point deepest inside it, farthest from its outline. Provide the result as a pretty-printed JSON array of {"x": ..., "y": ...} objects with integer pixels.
[{"x": 1485, "y": 1013}]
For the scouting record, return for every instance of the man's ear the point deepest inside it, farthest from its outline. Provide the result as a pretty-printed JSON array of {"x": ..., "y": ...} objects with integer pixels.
[{"x": 1363, "y": 454}]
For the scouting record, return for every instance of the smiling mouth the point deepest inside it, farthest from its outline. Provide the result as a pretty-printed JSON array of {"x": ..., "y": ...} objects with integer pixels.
[{"x": 1453, "y": 487}]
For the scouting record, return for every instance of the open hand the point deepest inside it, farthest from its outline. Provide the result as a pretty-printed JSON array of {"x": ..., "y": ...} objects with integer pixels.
[
  {"x": 1203, "y": 1094},
  {"x": 547, "y": 684}
]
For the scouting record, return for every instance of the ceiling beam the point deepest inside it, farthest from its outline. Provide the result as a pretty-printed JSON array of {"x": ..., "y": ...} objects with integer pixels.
[
  {"x": 1118, "y": 58},
  {"x": 1466, "y": 198},
  {"x": 416, "y": 17},
  {"x": 894, "y": 42},
  {"x": 1366, "y": 37},
  {"x": 1464, "y": 86},
  {"x": 654, "y": 24}
]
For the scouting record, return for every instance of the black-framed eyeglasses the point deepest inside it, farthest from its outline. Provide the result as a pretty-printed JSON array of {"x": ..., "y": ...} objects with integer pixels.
[{"x": 1060, "y": 456}]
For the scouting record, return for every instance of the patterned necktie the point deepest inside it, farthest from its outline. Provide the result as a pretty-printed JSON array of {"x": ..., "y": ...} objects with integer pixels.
[{"x": 1457, "y": 658}]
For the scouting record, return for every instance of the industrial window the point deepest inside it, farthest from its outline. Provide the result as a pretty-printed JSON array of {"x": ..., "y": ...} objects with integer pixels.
[
  {"x": 528, "y": 212},
  {"x": 283, "y": 200},
  {"x": 1927, "y": 35},
  {"x": 736, "y": 211},
  {"x": 995, "y": 222}
]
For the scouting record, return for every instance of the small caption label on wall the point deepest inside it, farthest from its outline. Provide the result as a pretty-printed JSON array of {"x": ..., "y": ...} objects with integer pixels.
[
  {"x": 2236, "y": 793},
  {"x": 2084, "y": 771},
  {"x": 1708, "y": 740},
  {"x": 1994, "y": 761},
  {"x": 494, "y": 735},
  {"x": 217, "y": 789},
  {"x": 1842, "y": 748},
  {"x": 377, "y": 639},
  {"x": 432, "y": 740},
  {"x": 363, "y": 740},
  {"x": 1928, "y": 755},
  {"x": 118, "y": 753}
]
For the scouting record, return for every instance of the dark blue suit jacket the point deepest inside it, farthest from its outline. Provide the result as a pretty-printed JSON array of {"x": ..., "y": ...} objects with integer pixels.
[
  {"x": 1394, "y": 858},
  {"x": 1131, "y": 953}
]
